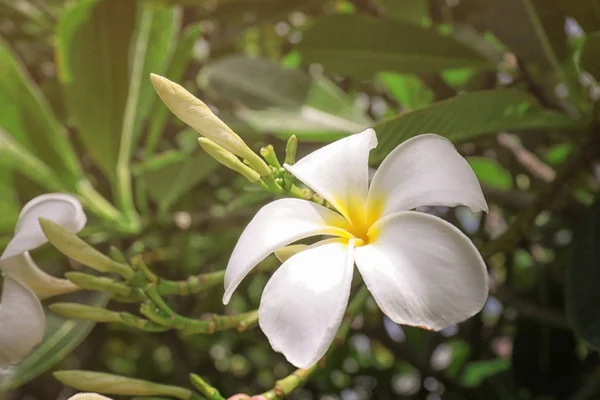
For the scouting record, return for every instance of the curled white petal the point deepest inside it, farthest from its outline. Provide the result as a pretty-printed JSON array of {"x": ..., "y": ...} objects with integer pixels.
[
  {"x": 339, "y": 172},
  {"x": 423, "y": 271},
  {"x": 425, "y": 171},
  {"x": 276, "y": 225},
  {"x": 61, "y": 208},
  {"x": 22, "y": 268},
  {"x": 88, "y": 396},
  {"x": 22, "y": 322},
  {"x": 304, "y": 302}
]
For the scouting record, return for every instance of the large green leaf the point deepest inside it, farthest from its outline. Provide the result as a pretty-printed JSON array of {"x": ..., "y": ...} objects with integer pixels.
[
  {"x": 583, "y": 275},
  {"x": 469, "y": 116},
  {"x": 590, "y": 55},
  {"x": 167, "y": 182},
  {"x": 535, "y": 31},
  {"x": 15, "y": 157},
  {"x": 154, "y": 43},
  {"x": 415, "y": 11},
  {"x": 9, "y": 203},
  {"x": 292, "y": 102},
  {"x": 62, "y": 337},
  {"x": 93, "y": 39},
  {"x": 257, "y": 83},
  {"x": 28, "y": 118},
  {"x": 360, "y": 46}
]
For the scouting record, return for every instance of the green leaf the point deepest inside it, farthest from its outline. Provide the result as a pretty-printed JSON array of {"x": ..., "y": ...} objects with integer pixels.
[
  {"x": 257, "y": 83},
  {"x": 9, "y": 203},
  {"x": 476, "y": 372},
  {"x": 175, "y": 70},
  {"x": 92, "y": 52},
  {"x": 490, "y": 173},
  {"x": 416, "y": 11},
  {"x": 360, "y": 46},
  {"x": 469, "y": 116},
  {"x": 154, "y": 43},
  {"x": 170, "y": 182},
  {"x": 535, "y": 32},
  {"x": 62, "y": 337},
  {"x": 15, "y": 157},
  {"x": 590, "y": 55},
  {"x": 27, "y": 117},
  {"x": 291, "y": 102},
  {"x": 408, "y": 90},
  {"x": 582, "y": 294}
]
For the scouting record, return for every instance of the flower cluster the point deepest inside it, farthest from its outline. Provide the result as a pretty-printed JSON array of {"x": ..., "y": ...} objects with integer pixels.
[{"x": 24, "y": 283}]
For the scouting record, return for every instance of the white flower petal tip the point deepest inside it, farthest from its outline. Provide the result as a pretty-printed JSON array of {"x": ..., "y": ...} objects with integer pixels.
[
  {"x": 426, "y": 170},
  {"x": 423, "y": 271},
  {"x": 61, "y": 208},
  {"x": 88, "y": 396},
  {"x": 22, "y": 313},
  {"x": 303, "y": 304},
  {"x": 274, "y": 226},
  {"x": 339, "y": 171}
]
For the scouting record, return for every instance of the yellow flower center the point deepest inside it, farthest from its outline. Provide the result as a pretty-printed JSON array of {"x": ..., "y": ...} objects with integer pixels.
[{"x": 360, "y": 220}]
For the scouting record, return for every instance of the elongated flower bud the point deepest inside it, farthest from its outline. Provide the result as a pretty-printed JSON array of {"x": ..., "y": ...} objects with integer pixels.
[
  {"x": 227, "y": 159},
  {"x": 198, "y": 115},
  {"x": 113, "y": 384},
  {"x": 82, "y": 311},
  {"x": 73, "y": 247}
]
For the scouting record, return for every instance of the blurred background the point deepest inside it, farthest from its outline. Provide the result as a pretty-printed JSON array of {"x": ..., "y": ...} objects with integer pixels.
[{"x": 513, "y": 83}]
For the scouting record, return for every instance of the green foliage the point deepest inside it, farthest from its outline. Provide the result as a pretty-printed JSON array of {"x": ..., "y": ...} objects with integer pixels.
[
  {"x": 93, "y": 39},
  {"x": 582, "y": 294},
  {"x": 79, "y": 115},
  {"x": 469, "y": 116},
  {"x": 360, "y": 46}
]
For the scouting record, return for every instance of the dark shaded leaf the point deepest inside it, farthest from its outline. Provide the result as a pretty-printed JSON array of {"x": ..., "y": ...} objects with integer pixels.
[
  {"x": 93, "y": 40},
  {"x": 590, "y": 55},
  {"x": 583, "y": 296},
  {"x": 360, "y": 46}
]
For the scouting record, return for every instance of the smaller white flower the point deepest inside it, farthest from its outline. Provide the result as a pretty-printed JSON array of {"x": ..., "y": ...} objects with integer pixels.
[
  {"x": 420, "y": 269},
  {"x": 22, "y": 321}
]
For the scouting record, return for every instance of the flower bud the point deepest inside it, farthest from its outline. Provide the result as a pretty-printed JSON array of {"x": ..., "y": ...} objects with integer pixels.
[
  {"x": 73, "y": 247},
  {"x": 196, "y": 114},
  {"x": 98, "y": 283},
  {"x": 290, "y": 150},
  {"x": 82, "y": 311},
  {"x": 227, "y": 159},
  {"x": 114, "y": 384}
]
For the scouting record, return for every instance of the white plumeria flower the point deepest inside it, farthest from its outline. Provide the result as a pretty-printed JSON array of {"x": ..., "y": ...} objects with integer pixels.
[
  {"x": 421, "y": 270},
  {"x": 22, "y": 318}
]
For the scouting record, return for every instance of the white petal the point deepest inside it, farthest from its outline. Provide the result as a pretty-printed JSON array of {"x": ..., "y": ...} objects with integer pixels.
[
  {"x": 61, "y": 208},
  {"x": 340, "y": 172},
  {"x": 304, "y": 302},
  {"x": 276, "y": 225},
  {"x": 22, "y": 322},
  {"x": 88, "y": 396},
  {"x": 22, "y": 268},
  {"x": 425, "y": 171},
  {"x": 423, "y": 271}
]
